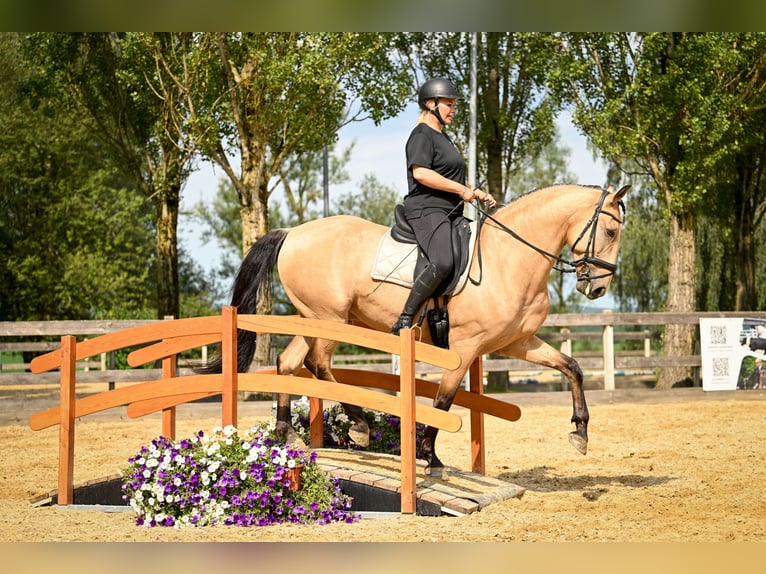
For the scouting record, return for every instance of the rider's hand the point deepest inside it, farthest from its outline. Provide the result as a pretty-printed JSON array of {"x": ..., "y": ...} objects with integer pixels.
[{"x": 485, "y": 197}]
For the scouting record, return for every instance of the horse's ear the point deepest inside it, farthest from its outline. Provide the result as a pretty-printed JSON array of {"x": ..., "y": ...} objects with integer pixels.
[{"x": 621, "y": 193}]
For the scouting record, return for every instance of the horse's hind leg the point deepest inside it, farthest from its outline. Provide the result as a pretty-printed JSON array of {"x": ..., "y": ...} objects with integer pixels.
[
  {"x": 318, "y": 362},
  {"x": 289, "y": 362}
]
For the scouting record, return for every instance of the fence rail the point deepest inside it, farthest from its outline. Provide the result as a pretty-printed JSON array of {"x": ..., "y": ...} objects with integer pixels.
[{"x": 604, "y": 329}]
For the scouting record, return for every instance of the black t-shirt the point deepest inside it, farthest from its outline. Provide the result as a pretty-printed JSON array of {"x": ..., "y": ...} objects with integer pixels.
[{"x": 432, "y": 149}]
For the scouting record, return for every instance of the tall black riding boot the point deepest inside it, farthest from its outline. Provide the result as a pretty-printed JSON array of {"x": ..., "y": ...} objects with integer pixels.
[{"x": 425, "y": 285}]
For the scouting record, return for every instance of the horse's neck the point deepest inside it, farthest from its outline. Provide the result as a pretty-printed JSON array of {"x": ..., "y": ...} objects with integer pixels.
[{"x": 541, "y": 218}]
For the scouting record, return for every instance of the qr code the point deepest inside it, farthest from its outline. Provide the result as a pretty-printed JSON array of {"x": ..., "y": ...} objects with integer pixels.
[
  {"x": 717, "y": 335},
  {"x": 720, "y": 366}
]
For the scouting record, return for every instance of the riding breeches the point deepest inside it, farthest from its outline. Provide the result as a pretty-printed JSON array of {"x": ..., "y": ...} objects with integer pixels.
[{"x": 434, "y": 235}]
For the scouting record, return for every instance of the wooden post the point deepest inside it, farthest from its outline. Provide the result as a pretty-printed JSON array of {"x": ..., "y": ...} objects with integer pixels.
[
  {"x": 476, "y": 377},
  {"x": 169, "y": 371},
  {"x": 608, "y": 342},
  {"x": 66, "y": 423},
  {"x": 648, "y": 344},
  {"x": 229, "y": 389},
  {"x": 407, "y": 427}
]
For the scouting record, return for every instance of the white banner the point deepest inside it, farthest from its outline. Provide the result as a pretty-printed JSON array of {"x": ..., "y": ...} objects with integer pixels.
[{"x": 724, "y": 343}]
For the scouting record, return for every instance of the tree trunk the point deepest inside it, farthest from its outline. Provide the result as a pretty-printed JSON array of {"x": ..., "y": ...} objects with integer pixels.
[
  {"x": 254, "y": 214},
  {"x": 167, "y": 254},
  {"x": 744, "y": 229},
  {"x": 679, "y": 339},
  {"x": 495, "y": 137}
]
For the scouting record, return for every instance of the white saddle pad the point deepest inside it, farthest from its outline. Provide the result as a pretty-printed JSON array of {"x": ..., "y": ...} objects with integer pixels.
[{"x": 395, "y": 262}]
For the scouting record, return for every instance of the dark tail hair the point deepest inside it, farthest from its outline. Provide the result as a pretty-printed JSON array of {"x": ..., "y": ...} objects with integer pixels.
[{"x": 252, "y": 280}]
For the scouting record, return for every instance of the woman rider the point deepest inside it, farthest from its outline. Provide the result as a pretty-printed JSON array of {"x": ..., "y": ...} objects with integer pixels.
[{"x": 437, "y": 188}]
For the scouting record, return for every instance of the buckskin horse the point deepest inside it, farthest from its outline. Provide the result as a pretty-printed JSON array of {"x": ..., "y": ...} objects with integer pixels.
[{"x": 324, "y": 266}]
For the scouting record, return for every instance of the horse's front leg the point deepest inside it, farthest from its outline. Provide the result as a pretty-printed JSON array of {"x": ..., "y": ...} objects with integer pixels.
[
  {"x": 539, "y": 352},
  {"x": 445, "y": 395}
]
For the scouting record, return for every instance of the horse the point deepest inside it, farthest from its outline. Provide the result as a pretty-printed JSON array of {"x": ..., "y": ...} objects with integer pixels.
[{"x": 324, "y": 266}]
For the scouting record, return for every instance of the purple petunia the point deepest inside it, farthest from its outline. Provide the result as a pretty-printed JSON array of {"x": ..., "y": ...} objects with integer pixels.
[{"x": 229, "y": 479}]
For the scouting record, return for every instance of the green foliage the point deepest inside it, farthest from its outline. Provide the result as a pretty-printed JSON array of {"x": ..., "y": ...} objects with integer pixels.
[
  {"x": 374, "y": 202},
  {"x": 515, "y": 113},
  {"x": 640, "y": 284},
  {"x": 77, "y": 239}
]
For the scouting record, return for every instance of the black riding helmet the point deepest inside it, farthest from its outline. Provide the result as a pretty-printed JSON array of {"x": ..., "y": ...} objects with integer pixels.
[{"x": 434, "y": 89}]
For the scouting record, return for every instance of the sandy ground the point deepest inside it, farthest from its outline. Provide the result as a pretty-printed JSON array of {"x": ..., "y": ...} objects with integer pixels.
[{"x": 662, "y": 466}]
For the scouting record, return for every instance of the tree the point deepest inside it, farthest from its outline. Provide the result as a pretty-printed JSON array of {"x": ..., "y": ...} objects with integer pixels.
[
  {"x": 514, "y": 113},
  {"x": 255, "y": 99},
  {"x": 134, "y": 108},
  {"x": 76, "y": 238},
  {"x": 374, "y": 202},
  {"x": 660, "y": 103}
]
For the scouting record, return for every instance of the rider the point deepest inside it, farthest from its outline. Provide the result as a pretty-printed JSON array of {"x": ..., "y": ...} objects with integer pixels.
[{"x": 436, "y": 178}]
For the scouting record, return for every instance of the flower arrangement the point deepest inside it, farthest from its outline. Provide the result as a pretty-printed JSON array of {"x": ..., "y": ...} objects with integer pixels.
[
  {"x": 230, "y": 479},
  {"x": 385, "y": 435}
]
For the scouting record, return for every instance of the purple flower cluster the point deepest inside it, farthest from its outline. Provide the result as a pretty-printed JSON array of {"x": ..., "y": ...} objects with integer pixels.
[{"x": 232, "y": 480}]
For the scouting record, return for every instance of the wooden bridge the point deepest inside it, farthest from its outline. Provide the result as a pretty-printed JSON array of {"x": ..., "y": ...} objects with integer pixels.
[{"x": 164, "y": 340}]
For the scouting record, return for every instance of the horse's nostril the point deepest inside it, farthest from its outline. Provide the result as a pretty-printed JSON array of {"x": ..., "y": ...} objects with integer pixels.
[{"x": 598, "y": 292}]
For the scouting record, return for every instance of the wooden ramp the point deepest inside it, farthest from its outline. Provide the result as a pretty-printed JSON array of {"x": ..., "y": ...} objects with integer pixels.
[{"x": 373, "y": 479}]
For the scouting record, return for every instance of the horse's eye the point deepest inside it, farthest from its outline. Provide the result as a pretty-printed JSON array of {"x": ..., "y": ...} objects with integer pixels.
[{"x": 611, "y": 233}]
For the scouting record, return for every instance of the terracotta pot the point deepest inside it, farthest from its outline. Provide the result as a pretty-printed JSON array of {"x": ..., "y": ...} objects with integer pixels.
[{"x": 294, "y": 476}]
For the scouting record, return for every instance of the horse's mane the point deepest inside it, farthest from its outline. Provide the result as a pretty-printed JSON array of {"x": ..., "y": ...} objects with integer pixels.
[{"x": 530, "y": 192}]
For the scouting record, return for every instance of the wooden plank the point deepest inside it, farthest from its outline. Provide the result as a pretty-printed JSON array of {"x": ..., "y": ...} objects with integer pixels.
[
  {"x": 67, "y": 401},
  {"x": 229, "y": 367},
  {"x": 58, "y": 328},
  {"x": 131, "y": 338},
  {"x": 142, "y": 408},
  {"x": 424, "y": 388},
  {"x": 170, "y": 347},
  {"x": 352, "y": 334},
  {"x": 256, "y": 382},
  {"x": 476, "y": 384}
]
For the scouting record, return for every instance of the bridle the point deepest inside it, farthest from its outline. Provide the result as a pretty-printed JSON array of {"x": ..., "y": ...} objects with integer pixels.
[{"x": 579, "y": 266}]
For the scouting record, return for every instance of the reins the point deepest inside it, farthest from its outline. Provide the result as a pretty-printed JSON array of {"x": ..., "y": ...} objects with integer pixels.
[{"x": 589, "y": 255}]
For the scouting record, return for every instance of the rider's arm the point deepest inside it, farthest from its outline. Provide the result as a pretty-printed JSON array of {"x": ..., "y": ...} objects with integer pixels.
[{"x": 432, "y": 179}]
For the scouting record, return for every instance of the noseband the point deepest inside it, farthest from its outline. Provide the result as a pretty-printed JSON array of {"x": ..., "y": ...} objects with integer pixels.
[{"x": 580, "y": 266}]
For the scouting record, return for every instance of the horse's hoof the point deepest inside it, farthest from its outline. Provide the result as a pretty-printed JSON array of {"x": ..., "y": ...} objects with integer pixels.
[
  {"x": 581, "y": 444},
  {"x": 435, "y": 471},
  {"x": 360, "y": 438},
  {"x": 289, "y": 436}
]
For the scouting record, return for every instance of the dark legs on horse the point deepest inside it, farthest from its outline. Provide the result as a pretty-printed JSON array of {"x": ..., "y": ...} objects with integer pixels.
[
  {"x": 315, "y": 355},
  {"x": 537, "y": 351},
  {"x": 427, "y": 446},
  {"x": 426, "y": 284},
  {"x": 580, "y": 416},
  {"x": 289, "y": 362}
]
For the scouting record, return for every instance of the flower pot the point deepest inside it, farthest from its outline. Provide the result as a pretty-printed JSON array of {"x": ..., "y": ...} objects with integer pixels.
[{"x": 294, "y": 476}]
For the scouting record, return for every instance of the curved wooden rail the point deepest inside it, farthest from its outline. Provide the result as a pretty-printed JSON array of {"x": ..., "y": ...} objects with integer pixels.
[
  {"x": 147, "y": 397},
  {"x": 352, "y": 334},
  {"x": 132, "y": 337}
]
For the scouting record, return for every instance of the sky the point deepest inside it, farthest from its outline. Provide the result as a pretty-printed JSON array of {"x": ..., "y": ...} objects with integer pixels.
[{"x": 378, "y": 150}]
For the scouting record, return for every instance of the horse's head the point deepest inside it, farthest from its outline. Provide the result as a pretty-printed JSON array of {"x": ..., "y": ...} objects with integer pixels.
[{"x": 595, "y": 247}]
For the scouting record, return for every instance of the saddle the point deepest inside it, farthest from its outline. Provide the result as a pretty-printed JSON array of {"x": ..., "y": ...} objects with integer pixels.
[{"x": 399, "y": 260}]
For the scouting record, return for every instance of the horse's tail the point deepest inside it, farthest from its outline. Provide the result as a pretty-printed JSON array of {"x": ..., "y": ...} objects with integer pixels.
[{"x": 252, "y": 280}]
